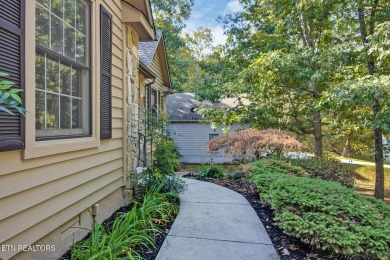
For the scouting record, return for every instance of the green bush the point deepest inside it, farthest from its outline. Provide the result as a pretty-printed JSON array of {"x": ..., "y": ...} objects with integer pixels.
[
  {"x": 168, "y": 183},
  {"x": 326, "y": 215},
  {"x": 328, "y": 169},
  {"x": 166, "y": 156},
  {"x": 277, "y": 166},
  {"x": 211, "y": 171},
  {"x": 130, "y": 231}
]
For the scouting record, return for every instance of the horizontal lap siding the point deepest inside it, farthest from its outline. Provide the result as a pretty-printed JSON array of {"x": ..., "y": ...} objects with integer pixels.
[
  {"x": 192, "y": 139},
  {"x": 39, "y": 195},
  {"x": 156, "y": 68}
]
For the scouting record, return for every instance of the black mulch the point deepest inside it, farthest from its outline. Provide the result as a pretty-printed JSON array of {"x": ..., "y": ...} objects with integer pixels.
[
  {"x": 145, "y": 253},
  {"x": 287, "y": 247}
]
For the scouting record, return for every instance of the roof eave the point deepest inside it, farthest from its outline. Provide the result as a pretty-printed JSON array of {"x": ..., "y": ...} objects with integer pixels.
[{"x": 138, "y": 21}]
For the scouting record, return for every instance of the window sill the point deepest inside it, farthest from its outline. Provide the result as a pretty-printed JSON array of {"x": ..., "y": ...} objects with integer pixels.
[{"x": 53, "y": 147}]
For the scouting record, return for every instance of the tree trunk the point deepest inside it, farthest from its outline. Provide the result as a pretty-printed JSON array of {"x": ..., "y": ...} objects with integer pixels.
[
  {"x": 317, "y": 133},
  {"x": 379, "y": 169}
]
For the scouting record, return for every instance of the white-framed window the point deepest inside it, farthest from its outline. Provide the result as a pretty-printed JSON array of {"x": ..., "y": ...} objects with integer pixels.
[{"x": 62, "y": 89}]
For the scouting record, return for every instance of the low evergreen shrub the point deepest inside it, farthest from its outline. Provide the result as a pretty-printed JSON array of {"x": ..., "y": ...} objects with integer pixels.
[
  {"x": 211, "y": 171},
  {"x": 328, "y": 169},
  {"x": 277, "y": 166},
  {"x": 325, "y": 214}
]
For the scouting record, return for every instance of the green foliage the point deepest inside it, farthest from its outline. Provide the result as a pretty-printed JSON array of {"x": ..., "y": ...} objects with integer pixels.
[
  {"x": 9, "y": 97},
  {"x": 170, "y": 16},
  {"x": 326, "y": 215},
  {"x": 326, "y": 169},
  {"x": 167, "y": 183},
  {"x": 211, "y": 171},
  {"x": 276, "y": 166},
  {"x": 129, "y": 231},
  {"x": 361, "y": 95},
  {"x": 166, "y": 156}
]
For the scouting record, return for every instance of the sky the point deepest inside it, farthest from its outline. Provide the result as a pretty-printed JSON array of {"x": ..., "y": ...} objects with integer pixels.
[{"x": 205, "y": 13}]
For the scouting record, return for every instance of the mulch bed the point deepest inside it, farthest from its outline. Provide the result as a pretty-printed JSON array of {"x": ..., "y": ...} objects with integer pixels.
[
  {"x": 287, "y": 247},
  {"x": 145, "y": 253}
]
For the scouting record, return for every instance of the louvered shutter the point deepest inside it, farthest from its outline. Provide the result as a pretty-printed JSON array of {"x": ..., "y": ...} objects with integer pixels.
[
  {"x": 12, "y": 16},
  {"x": 105, "y": 70}
]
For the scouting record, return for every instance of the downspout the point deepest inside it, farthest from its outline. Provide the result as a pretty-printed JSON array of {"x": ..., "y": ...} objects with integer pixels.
[{"x": 147, "y": 86}]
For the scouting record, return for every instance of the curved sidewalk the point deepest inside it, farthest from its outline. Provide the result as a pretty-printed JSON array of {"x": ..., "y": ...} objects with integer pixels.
[{"x": 216, "y": 223}]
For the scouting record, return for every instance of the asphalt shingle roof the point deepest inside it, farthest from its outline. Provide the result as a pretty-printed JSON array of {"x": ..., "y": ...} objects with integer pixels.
[
  {"x": 148, "y": 49},
  {"x": 180, "y": 106}
]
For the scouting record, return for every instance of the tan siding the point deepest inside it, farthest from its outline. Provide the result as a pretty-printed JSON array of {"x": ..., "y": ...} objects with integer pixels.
[
  {"x": 31, "y": 197},
  {"x": 27, "y": 179},
  {"x": 156, "y": 68},
  {"x": 117, "y": 113},
  {"x": 39, "y": 195},
  {"x": 16, "y": 164},
  {"x": 39, "y": 230},
  {"x": 29, "y": 217}
]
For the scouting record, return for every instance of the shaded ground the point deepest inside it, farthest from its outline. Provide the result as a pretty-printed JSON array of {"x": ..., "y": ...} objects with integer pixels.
[
  {"x": 286, "y": 246},
  {"x": 364, "y": 176}
]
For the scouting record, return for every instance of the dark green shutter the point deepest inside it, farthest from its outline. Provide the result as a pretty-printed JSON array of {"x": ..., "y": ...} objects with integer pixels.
[
  {"x": 12, "y": 17},
  {"x": 105, "y": 71}
]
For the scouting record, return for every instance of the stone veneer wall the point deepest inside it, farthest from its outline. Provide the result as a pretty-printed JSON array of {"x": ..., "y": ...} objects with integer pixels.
[{"x": 135, "y": 86}]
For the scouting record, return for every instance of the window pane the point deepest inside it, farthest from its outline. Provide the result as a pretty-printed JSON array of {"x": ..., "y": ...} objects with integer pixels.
[
  {"x": 56, "y": 35},
  {"x": 52, "y": 68},
  {"x": 76, "y": 113},
  {"x": 80, "y": 48},
  {"x": 62, "y": 88},
  {"x": 52, "y": 104},
  {"x": 42, "y": 26},
  {"x": 66, "y": 79},
  {"x": 66, "y": 110},
  {"x": 40, "y": 72},
  {"x": 75, "y": 84},
  {"x": 69, "y": 42},
  {"x": 81, "y": 16},
  {"x": 57, "y": 7},
  {"x": 69, "y": 12},
  {"x": 39, "y": 110},
  {"x": 45, "y": 3}
]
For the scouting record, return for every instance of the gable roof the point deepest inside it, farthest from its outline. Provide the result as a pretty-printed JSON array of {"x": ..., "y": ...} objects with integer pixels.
[
  {"x": 148, "y": 50},
  {"x": 180, "y": 107}
]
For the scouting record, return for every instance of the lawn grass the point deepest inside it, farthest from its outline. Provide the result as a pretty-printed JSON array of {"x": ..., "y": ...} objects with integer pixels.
[{"x": 364, "y": 176}]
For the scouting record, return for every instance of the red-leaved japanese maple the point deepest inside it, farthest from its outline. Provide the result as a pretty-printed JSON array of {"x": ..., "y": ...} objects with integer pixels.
[{"x": 252, "y": 142}]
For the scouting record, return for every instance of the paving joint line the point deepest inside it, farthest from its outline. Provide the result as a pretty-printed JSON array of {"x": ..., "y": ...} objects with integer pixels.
[{"x": 221, "y": 240}]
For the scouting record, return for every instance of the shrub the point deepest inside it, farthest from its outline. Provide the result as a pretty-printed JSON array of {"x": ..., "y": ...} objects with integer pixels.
[
  {"x": 277, "y": 166},
  {"x": 251, "y": 142},
  {"x": 328, "y": 169},
  {"x": 166, "y": 156},
  {"x": 129, "y": 231},
  {"x": 236, "y": 176},
  {"x": 326, "y": 215},
  {"x": 167, "y": 183},
  {"x": 211, "y": 171}
]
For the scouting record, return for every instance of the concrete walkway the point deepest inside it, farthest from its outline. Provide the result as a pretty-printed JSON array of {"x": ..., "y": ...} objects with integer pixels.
[{"x": 216, "y": 223}]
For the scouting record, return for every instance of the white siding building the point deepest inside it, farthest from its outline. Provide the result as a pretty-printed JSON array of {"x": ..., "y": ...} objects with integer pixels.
[{"x": 190, "y": 134}]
